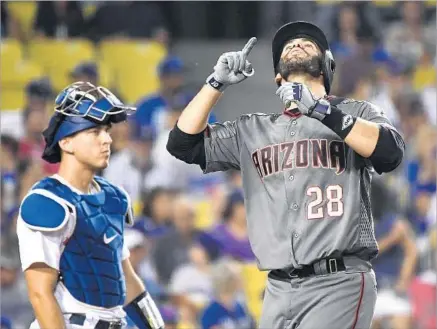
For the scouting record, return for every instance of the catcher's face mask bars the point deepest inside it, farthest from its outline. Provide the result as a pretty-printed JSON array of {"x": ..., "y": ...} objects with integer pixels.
[{"x": 75, "y": 102}]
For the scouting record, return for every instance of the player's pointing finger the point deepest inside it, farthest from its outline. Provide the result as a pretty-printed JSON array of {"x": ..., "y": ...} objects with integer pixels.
[{"x": 249, "y": 46}]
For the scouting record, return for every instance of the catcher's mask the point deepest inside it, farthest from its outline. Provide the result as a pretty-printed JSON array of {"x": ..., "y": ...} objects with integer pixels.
[
  {"x": 78, "y": 107},
  {"x": 310, "y": 31}
]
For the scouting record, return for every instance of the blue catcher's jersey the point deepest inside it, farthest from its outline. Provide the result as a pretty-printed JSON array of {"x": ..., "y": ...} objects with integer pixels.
[{"x": 91, "y": 262}]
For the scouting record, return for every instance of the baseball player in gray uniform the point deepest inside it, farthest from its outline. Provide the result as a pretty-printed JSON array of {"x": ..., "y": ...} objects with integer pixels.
[{"x": 306, "y": 173}]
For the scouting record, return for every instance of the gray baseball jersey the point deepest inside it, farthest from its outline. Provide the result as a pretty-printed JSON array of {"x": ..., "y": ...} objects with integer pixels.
[{"x": 307, "y": 194}]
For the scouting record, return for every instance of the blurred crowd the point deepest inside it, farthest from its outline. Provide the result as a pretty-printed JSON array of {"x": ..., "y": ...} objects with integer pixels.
[{"x": 189, "y": 242}]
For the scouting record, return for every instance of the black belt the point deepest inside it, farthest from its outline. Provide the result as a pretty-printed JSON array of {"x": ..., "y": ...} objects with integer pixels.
[
  {"x": 79, "y": 319},
  {"x": 321, "y": 267}
]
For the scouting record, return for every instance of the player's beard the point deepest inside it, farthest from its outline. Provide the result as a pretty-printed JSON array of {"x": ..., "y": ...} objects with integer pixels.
[{"x": 298, "y": 66}]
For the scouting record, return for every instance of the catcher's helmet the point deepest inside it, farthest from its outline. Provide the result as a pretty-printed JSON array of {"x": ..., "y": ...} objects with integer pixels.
[
  {"x": 78, "y": 107},
  {"x": 310, "y": 31}
]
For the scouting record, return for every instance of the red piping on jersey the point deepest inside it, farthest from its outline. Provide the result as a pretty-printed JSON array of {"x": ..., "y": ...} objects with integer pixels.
[
  {"x": 359, "y": 301},
  {"x": 294, "y": 113},
  {"x": 207, "y": 132}
]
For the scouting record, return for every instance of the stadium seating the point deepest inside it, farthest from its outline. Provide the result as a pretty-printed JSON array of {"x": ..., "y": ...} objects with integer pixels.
[
  {"x": 58, "y": 57},
  {"x": 11, "y": 53},
  {"x": 203, "y": 211},
  {"x": 14, "y": 78},
  {"x": 254, "y": 282},
  {"x": 431, "y": 3},
  {"x": 424, "y": 76},
  {"x": 105, "y": 75},
  {"x": 134, "y": 66},
  {"x": 24, "y": 12},
  {"x": 383, "y": 3}
]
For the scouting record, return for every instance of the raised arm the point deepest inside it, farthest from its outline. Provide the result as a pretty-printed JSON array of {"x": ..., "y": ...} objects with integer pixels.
[
  {"x": 187, "y": 139},
  {"x": 194, "y": 118},
  {"x": 231, "y": 68}
]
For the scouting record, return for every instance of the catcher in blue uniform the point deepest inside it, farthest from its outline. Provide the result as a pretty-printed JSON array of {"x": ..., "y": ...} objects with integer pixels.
[{"x": 71, "y": 224}]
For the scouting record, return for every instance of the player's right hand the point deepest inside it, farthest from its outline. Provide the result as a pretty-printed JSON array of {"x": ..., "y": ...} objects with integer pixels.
[{"x": 232, "y": 67}]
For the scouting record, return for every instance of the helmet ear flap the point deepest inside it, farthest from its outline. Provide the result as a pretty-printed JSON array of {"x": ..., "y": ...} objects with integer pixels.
[{"x": 328, "y": 70}]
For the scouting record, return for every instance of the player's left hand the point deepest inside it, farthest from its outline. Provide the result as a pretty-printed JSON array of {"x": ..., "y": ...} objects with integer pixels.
[{"x": 299, "y": 94}]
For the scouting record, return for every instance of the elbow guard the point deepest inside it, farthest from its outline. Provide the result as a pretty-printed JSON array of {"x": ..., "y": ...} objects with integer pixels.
[
  {"x": 389, "y": 150},
  {"x": 144, "y": 313},
  {"x": 186, "y": 147}
]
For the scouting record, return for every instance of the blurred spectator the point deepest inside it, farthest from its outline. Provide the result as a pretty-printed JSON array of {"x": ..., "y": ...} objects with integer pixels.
[
  {"x": 424, "y": 292},
  {"x": 152, "y": 109},
  {"x": 230, "y": 239},
  {"x": 121, "y": 136},
  {"x": 406, "y": 40},
  {"x": 87, "y": 72},
  {"x": 59, "y": 19},
  {"x": 136, "y": 243},
  {"x": 9, "y": 180},
  {"x": 172, "y": 249},
  {"x": 349, "y": 72},
  {"x": 33, "y": 172},
  {"x": 38, "y": 93},
  {"x": 234, "y": 179},
  {"x": 15, "y": 305},
  {"x": 273, "y": 14},
  {"x": 226, "y": 311},
  {"x": 424, "y": 196},
  {"x": 157, "y": 213},
  {"x": 10, "y": 27},
  {"x": 140, "y": 260},
  {"x": 170, "y": 316},
  {"x": 396, "y": 262},
  {"x": 169, "y": 172},
  {"x": 166, "y": 171},
  {"x": 191, "y": 283},
  {"x": 132, "y": 157},
  {"x": 35, "y": 119},
  {"x": 395, "y": 83},
  {"x": 422, "y": 176},
  {"x": 346, "y": 26},
  {"x": 350, "y": 24},
  {"x": 4, "y": 20},
  {"x": 128, "y": 19},
  {"x": 429, "y": 95},
  {"x": 363, "y": 88},
  {"x": 422, "y": 169},
  {"x": 5, "y": 323},
  {"x": 424, "y": 75},
  {"x": 411, "y": 114}
]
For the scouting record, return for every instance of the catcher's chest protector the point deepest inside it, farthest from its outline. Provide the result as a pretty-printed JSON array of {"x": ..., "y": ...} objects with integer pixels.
[{"x": 90, "y": 265}]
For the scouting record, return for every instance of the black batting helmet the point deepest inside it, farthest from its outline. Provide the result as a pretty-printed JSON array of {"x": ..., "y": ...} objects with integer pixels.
[{"x": 310, "y": 31}]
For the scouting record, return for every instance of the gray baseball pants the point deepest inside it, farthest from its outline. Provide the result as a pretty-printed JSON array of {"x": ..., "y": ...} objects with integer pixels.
[{"x": 333, "y": 301}]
